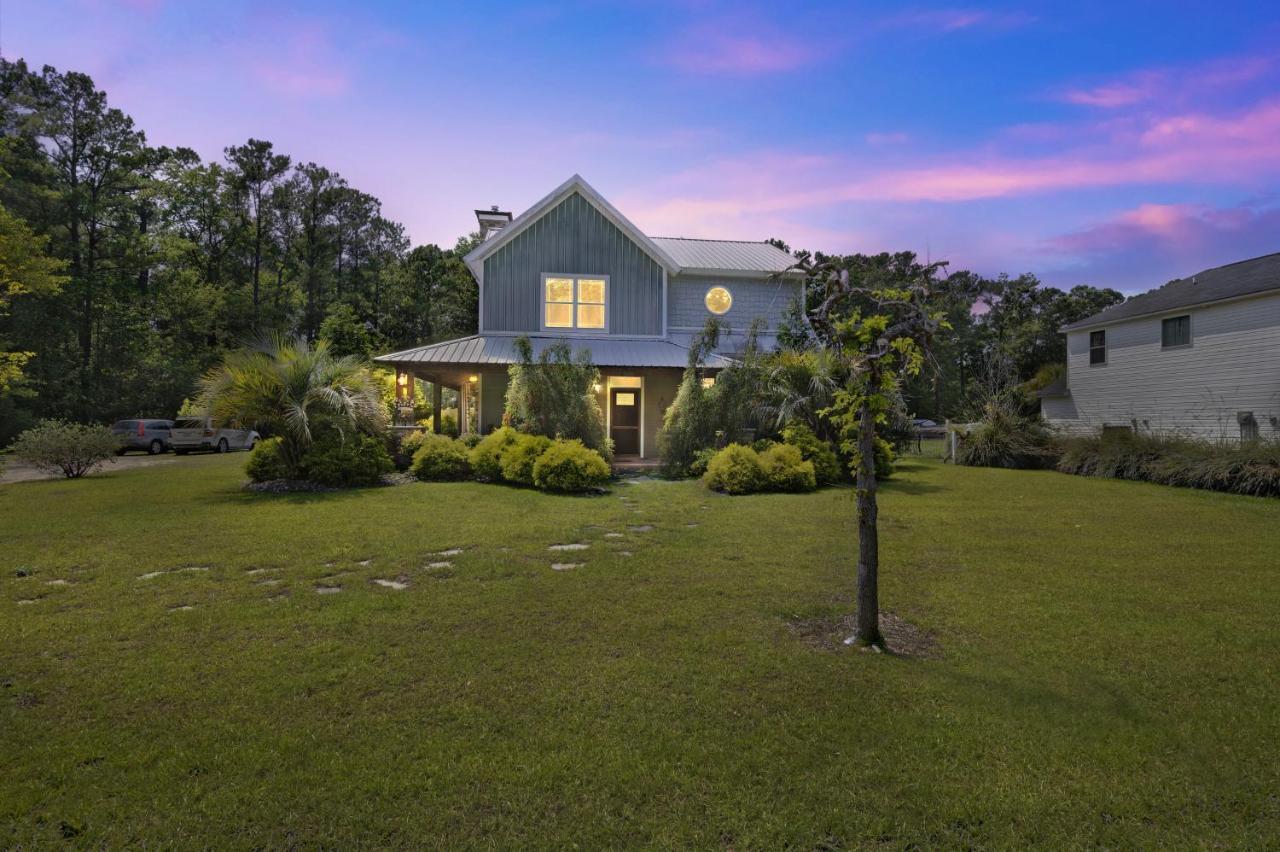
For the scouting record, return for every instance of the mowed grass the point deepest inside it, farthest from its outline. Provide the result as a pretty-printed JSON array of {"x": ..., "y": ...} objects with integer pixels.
[{"x": 1110, "y": 654}]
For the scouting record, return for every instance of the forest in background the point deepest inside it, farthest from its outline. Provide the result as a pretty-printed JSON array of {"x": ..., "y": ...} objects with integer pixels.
[{"x": 129, "y": 270}]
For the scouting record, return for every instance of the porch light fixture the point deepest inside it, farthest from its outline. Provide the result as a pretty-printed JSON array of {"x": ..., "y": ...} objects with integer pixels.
[
  {"x": 596, "y": 387},
  {"x": 473, "y": 379}
]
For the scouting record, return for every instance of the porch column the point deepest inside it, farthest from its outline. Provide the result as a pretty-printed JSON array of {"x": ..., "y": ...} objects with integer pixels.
[{"x": 436, "y": 391}]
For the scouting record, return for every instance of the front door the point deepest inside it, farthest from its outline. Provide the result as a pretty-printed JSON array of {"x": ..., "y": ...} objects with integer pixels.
[{"x": 624, "y": 420}]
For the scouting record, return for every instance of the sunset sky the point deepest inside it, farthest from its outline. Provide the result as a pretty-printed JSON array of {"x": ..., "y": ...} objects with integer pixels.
[{"x": 1087, "y": 142}]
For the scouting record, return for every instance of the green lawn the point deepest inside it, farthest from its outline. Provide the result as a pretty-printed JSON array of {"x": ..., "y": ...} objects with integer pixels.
[{"x": 1108, "y": 669}]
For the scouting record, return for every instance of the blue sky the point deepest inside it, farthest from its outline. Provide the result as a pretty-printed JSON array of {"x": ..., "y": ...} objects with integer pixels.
[{"x": 1104, "y": 143}]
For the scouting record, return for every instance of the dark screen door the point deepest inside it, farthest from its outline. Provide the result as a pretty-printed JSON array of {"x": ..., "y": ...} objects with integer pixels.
[{"x": 624, "y": 420}]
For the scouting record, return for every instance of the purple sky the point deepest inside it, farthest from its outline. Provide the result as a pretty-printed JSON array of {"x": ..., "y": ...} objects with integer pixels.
[{"x": 1079, "y": 141}]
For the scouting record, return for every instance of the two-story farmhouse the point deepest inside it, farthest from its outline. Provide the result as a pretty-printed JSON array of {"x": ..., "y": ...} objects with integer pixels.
[
  {"x": 1198, "y": 357},
  {"x": 573, "y": 268}
]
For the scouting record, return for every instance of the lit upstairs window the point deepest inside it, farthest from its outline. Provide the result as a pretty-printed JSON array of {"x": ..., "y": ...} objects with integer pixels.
[{"x": 575, "y": 302}]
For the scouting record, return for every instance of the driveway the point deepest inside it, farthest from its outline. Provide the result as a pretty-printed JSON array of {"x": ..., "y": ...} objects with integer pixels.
[{"x": 15, "y": 471}]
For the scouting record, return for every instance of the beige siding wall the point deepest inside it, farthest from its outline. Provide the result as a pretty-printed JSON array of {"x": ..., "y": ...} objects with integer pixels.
[{"x": 1232, "y": 365}]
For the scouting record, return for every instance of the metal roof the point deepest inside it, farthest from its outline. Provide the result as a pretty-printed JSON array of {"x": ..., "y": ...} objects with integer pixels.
[
  {"x": 501, "y": 349},
  {"x": 725, "y": 255},
  {"x": 1243, "y": 278}
]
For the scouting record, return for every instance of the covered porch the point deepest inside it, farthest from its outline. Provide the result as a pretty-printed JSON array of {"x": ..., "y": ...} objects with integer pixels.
[{"x": 638, "y": 382}]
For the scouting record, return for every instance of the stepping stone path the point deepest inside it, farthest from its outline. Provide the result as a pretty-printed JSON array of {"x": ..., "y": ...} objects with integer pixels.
[
  {"x": 270, "y": 582},
  {"x": 641, "y": 528},
  {"x": 577, "y": 546},
  {"x": 57, "y": 582},
  {"x": 182, "y": 608},
  {"x": 614, "y": 535},
  {"x": 150, "y": 575},
  {"x": 253, "y": 572},
  {"x": 365, "y": 563},
  {"x": 440, "y": 564},
  {"x": 565, "y": 566},
  {"x": 27, "y": 601},
  {"x": 195, "y": 568},
  {"x": 398, "y": 585},
  {"x": 690, "y": 526},
  {"x": 328, "y": 590},
  {"x": 453, "y": 551},
  {"x": 625, "y": 553}
]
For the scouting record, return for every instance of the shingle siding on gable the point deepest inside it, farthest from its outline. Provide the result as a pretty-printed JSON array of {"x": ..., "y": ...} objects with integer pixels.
[
  {"x": 573, "y": 237},
  {"x": 752, "y": 297},
  {"x": 1232, "y": 365}
]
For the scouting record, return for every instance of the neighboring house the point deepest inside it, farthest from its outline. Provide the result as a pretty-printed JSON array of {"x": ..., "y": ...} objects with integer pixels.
[
  {"x": 1198, "y": 357},
  {"x": 573, "y": 268}
]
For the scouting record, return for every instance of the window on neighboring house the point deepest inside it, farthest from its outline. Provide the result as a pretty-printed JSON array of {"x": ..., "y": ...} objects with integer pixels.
[
  {"x": 1175, "y": 331},
  {"x": 574, "y": 301},
  {"x": 1097, "y": 347}
]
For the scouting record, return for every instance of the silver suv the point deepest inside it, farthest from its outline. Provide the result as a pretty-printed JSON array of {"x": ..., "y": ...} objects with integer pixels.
[{"x": 153, "y": 436}]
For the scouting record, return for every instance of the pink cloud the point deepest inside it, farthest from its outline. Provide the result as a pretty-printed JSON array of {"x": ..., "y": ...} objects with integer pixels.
[
  {"x": 305, "y": 64},
  {"x": 952, "y": 20},
  {"x": 1170, "y": 84},
  {"x": 1122, "y": 93},
  {"x": 711, "y": 49}
]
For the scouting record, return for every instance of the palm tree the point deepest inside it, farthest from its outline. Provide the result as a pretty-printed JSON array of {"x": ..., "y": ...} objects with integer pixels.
[
  {"x": 798, "y": 386},
  {"x": 295, "y": 390}
]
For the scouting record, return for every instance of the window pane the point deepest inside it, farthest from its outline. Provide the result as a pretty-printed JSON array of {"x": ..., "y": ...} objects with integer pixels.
[
  {"x": 1097, "y": 338},
  {"x": 590, "y": 316},
  {"x": 624, "y": 399},
  {"x": 559, "y": 316},
  {"x": 559, "y": 289},
  {"x": 591, "y": 290},
  {"x": 1176, "y": 331}
]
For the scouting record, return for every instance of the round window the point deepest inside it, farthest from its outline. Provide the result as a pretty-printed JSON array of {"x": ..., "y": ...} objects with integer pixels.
[{"x": 719, "y": 300}]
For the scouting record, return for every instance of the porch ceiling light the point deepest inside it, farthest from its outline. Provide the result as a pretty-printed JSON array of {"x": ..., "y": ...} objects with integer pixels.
[
  {"x": 402, "y": 379},
  {"x": 473, "y": 379}
]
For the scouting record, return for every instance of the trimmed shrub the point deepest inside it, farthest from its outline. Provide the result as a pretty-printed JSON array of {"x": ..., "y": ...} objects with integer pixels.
[
  {"x": 735, "y": 470},
  {"x": 885, "y": 457},
  {"x": 570, "y": 467},
  {"x": 486, "y": 456},
  {"x": 71, "y": 449},
  {"x": 786, "y": 470},
  {"x": 1251, "y": 468},
  {"x": 412, "y": 442},
  {"x": 266, "y": 461},
  {"x": 1007, "y": 439},
  {"x": 440, "y": 459},
  {"x": 358, "y": 460},
  {"x": 469, "y": 440},
  {"x": 826, "y": 467},
  {"x": 518, "y": 458}
]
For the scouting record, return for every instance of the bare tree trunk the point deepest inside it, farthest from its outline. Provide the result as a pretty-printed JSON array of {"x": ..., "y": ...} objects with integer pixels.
[{"x": 868, "y": 539}]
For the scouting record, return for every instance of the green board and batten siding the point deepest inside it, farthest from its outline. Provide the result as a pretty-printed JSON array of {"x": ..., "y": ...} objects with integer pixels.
[{"x": 573, "y": 237}]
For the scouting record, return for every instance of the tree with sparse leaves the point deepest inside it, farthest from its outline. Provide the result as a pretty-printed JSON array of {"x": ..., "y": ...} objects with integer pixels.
[{"x": 880, "y": 321}]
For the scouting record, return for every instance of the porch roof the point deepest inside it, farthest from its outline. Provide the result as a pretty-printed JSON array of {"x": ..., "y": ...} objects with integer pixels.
[{"x": 479, "y": 349}]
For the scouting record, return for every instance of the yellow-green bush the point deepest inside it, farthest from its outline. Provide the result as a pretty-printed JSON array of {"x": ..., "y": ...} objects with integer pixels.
[
  {"x": 266, "y": 462},
  {"x": 826, "y": 467},
  {"x": 486, "y": 456},
  {"x": 440, "y": 459},
  {"x": 735, "y": 470},
  {"x": 570, "y": 466},
  {"x": 518, "y": 458},
  {"x": 786, "y": 470}
]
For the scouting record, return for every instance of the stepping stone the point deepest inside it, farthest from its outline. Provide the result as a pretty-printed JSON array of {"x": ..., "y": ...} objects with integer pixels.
[
  {"x": 253, "y": 572},
  {"x": 27, "y": 601},
  {"x": 150, "y": 575},
  {"x": 690, "y": 526},
  {"x": 614, "y": 535},
  {"x": 453, "y": 551},
  {"x": 568, "y": 547},
  {"x": 392, "y": 584},
  {"x": 625, "y": 553},
  {"x": 439, "y": 564},
  {"x": 365, "y": 563},
  {"x": 270, "y": 582},
  {"x": 195, "y": 568},
  {"x": 641, "y": 528},
  {"x": 57, "y": 582},
  {"x": 328, "y": 590},
  {"x": 565, "y": 566},
  {"x": 182, "y": 608}
]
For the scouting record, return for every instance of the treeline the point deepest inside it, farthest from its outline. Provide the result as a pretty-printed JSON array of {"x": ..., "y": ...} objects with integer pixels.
[
  {"x": 164, "y": 261},
  {"x": 1003, "y": 334}
]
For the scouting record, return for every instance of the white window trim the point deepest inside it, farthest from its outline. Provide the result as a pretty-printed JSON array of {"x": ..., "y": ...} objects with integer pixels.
[
  {"x": 576, "y": 277},
  {"x": 1106, "y": 348}
]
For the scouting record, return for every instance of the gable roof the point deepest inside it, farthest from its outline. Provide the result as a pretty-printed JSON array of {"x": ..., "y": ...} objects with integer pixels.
[
  {"x": 1242, "y": 278},
  {"x": 475, "y": 259},
  {"x": 726, "y": 255},
  {"x": 674, "y": 254}
]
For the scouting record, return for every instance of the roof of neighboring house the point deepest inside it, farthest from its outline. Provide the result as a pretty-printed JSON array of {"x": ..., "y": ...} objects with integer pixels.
[
  {"x": 1243, "y": 278},
  {"x": 501, "y": 349},
  {"x": 675, "y": 255},
  {"x": 725, "y": 255},
  {"x": 1057, "y": 387}
]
